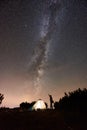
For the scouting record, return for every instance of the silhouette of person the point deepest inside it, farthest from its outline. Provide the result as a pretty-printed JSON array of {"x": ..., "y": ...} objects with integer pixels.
[{"x": 51, "y": 101}]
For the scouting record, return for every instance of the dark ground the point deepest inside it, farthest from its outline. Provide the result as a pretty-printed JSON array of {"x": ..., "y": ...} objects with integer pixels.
[{"x": 42, "y": 120}]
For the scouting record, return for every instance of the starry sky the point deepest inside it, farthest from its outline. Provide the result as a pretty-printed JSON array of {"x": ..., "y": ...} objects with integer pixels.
[{"x": 43, "y": 49}]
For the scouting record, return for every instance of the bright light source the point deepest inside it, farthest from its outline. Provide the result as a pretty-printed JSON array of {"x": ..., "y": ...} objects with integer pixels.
[{"x": 39, "y": 105}]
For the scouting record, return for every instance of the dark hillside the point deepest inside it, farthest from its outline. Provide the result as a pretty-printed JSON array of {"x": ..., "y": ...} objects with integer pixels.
[{"x": 42, "y": 120}]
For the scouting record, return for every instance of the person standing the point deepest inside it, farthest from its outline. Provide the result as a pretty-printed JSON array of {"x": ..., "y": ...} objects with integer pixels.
[{"x": 51, "y": 101}]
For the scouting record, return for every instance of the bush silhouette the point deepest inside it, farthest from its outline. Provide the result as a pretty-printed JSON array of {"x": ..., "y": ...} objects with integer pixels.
[
  {"x": 56, "y": 105},
  {"x": 76, "y": 100},
  {"x": 26, "y": 105}
]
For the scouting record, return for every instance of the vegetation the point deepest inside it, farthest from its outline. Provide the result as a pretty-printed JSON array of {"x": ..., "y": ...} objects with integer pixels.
[
  {"x": 76, "y": 100},
  {"x": 1, "y": 97},
  {"x": 26, "y": 105},
  {"x": 72, "y": 117}
]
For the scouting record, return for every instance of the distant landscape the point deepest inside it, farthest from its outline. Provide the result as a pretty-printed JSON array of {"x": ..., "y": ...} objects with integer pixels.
[{"x": 69, "y": 113}]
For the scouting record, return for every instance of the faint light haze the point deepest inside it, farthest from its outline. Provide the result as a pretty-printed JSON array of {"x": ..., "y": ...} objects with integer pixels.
[{"x": 43, "y": 49}]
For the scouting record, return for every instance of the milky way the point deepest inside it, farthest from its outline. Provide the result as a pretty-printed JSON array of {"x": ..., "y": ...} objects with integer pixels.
[
  {"x": 43, "y": 48},
  {"x": 40, "y": 56}
]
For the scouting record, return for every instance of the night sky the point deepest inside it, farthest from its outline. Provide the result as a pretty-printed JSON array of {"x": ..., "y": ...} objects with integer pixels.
[{"x": 43, "y": 49}]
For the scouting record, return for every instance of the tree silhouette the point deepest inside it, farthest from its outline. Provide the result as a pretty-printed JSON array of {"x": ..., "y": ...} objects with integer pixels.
[
  {"x": 1, "y": 97},
  {"x": 76, "y": 100}
]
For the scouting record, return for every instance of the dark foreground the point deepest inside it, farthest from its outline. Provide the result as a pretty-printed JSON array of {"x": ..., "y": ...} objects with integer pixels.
[{"x": 42, "y": 120}]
